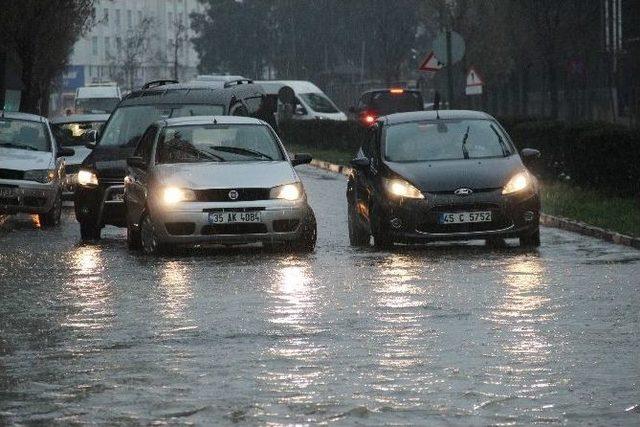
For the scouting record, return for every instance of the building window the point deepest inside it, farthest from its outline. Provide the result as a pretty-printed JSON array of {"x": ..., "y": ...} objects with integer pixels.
[
  {"x": 94, "y": 45},
  {"x": 170, "y": 21},
  {"x": 129, "y": 19},
  {"x": 106, "y": 16},
  {"x": 139, "y": 17},
  {"x": 118, "y": 46},
  {"x": 118, "y": 18},
  {"x": 107, "y": 47}
]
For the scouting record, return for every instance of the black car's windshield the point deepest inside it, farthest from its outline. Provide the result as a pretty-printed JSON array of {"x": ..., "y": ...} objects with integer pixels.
[
  {"x": 128, "y": 123},
  {"x": 389, "y": 102},
  {"x": 72, "y": 134},
  {"x": 88, "y": 105},
  {"x": 319, "y": 103},
  {"x": 217, "y": 143},
  {"x": 445, "y": 140},
  {"x": 24, "y": 135}
]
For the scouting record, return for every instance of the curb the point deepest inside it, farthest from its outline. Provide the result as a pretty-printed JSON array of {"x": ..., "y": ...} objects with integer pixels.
[{"x": 545, "y": 219}]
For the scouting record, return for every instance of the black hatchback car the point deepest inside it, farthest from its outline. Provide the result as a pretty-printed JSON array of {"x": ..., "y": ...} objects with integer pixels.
[
  {"x": 381, "y": 102},
  {"x": 99, "y": 196},
  {"x": 448, "y": 175}
]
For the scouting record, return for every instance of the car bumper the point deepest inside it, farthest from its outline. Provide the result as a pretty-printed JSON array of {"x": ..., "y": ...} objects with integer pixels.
[
  {"x": 101, "y": 205},
  {"x": 18, "y": 196},
  {"x": 280, "y": 221},
  {"x": 418, "y": 220}
]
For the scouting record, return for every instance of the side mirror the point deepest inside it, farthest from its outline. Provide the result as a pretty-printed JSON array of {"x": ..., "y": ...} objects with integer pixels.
[
  {"x": 65, "y": 152},
  {"x": 136, "y": 162},
  {"x": 529, "y": 154},
  {"x": 90, "y": 138},
  {"x": 301, "y": 159},
  {"x": 360, "y": 163}
]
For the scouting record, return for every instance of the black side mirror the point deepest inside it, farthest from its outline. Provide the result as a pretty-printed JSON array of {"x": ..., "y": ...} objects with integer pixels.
[
  {"x": 65, "y": 152},
  {"x": 360, "y": 163},
  {"x": 137, "y": 162},
  {"x": 90, "y": 138},
  {"x": 529, "y": 154},
  {"x": 301, "y": 159}
]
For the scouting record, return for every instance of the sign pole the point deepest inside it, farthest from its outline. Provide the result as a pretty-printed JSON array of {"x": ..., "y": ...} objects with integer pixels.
[{"x": 449, "y": 71}]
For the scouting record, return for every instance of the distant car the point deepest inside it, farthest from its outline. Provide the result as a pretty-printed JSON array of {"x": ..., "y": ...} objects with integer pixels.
[
  {"x": 381, "y": 102},
  {"x": 311, "y": 103},
  {"x": 448, "y": 175},
  {"x": 97, "y": 98},
  {"x": 215, "y": 180},
  {"x": 31, "y": 168},
  {"x": 70, "y": 131}
]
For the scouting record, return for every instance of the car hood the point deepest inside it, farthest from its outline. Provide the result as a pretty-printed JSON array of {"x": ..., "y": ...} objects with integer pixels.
[
  {"x": 200, "y": 176},
  {"x": 81, "y": 153},
  {"x": 23, "y": 160},
  {"x": 449, "y": 175},
  {"x": 109, "y": 162}
]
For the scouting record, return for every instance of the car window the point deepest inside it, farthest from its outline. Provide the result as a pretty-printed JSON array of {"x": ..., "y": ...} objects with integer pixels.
[
  {"x": 319, "y": 102},
  {"x": 217, "y": 143},
  {"x": 127, "y": 123},
  {"x": 445, "y": 140},
  {"x": 145, "y": 147},
  {"x": 24, "y": 135},
  {"x": 72, "y": 134},
  {"x": 94, "y": 105},
  {"x": 388, "y": 103}
]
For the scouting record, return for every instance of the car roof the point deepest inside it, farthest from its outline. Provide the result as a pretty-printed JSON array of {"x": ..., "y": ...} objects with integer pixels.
[
  {"x": 22, "y": 116},
  {"x": 367, "y": 92},
  {"x": 199, "y": 92},
  {"x": 202, "y": 120},
  {"x": 77, "y": 118},
  {"x": 416, "y": 116},
  {"x": 298, "y": 86}
]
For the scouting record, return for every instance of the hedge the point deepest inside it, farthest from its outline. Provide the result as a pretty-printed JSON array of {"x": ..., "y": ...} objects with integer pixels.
[{"x": 591, "y": 155}]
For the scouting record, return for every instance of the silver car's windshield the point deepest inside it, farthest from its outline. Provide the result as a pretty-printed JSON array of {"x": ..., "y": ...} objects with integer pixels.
[
  {"x": 445, "y": 140},
  {"x": 217, "y": 143},
  {"x": 24, "y": 135}
]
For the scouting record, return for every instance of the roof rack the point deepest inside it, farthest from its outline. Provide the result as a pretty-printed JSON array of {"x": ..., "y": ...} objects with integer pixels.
[
  {"x": 156, "y": 83},
  {"x": 238, "y": 82}
]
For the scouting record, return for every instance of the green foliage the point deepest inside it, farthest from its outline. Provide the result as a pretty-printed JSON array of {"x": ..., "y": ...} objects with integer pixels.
[{"x": 319, "y": 135}]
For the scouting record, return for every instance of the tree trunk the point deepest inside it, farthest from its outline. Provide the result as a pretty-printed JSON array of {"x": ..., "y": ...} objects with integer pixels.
[
  {"x": 29, "y": 99},
  {"x": 554, "y": 100}
]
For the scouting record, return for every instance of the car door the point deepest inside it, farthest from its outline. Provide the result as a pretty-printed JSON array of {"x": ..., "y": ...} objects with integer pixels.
[
  {"x": 365, "y": 177},
  {"x": 138, "y": 185}
]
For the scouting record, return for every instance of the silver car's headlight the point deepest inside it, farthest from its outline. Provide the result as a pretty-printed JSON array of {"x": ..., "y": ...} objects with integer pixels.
[
  {"x": 173, "y": 195},
  {"x": 402, "y": 188},
  {"x": 87, "y": 178},
  {"x": 519, "y": 182},
  {"x": 40, "y": 175},
  {"x": 289, "y": 192}
]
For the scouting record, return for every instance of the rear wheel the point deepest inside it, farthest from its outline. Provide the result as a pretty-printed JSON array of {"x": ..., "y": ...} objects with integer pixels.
[
  {"x": 52, "y": 218},
  {"x": 379, "y": 230},
  {"x": 530, "y": 239},
  {"x": 358, "y": 233},
  {"x": 306, "y": 241},
  {"x": 89, "y": 231},
  {"x": 149, "y": 238}
]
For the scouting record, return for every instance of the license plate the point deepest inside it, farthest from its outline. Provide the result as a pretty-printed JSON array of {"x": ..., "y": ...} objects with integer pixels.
[
  {"x": 6, "y": 192},
  {"x": 233, "y": 217},
  {"x": 464, "y": 217}
]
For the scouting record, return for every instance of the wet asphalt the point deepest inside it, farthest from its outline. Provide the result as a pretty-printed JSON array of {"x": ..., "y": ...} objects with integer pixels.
[{"x": 455, "y": 334}]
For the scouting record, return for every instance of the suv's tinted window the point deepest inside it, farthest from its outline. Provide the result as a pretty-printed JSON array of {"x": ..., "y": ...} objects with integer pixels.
[{"x": 388, "y": 103}]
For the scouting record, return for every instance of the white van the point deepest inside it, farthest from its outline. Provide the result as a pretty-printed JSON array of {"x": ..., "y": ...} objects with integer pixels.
[
  {"x": 311, "y": 102},
  {"x": 97, "y": 98}
]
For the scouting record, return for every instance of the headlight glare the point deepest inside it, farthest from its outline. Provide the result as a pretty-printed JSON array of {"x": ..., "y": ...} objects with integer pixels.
[
  {"x": 519, "y": 182},
  {"x": 87, "y": 178},
  {"x": 43, "y": 176},
  {"x": 289, "y": 192},
  {"x": 402, "y": 188},
  {"x": 174, "y": 195}
]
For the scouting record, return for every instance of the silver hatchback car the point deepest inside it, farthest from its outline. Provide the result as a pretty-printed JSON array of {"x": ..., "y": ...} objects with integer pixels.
[{"x": 215, "y": 180}]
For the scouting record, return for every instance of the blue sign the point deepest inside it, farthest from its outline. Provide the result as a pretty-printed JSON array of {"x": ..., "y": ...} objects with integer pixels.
[{"x": 73, "y": 77}]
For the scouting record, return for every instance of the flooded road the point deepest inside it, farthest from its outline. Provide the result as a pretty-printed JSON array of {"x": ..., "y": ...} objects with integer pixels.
[{"x": 441, "y": 335}]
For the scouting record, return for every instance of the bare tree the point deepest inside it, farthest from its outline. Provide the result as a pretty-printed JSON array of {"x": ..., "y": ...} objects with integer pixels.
[
  {"x": 179, "y": 40},
  {"x": 133, "y": 52}
]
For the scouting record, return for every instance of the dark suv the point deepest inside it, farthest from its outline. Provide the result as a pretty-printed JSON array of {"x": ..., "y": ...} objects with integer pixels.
[
  {"x": 99, "y": 195},
  {"x": 381, "y": 102}
]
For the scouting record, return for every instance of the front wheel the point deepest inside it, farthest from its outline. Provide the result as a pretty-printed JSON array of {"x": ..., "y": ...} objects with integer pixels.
[
  {"x": 306, "y": 241},
  {"x": 52, "y": 218},
  {"x": 134, "y": 241},
  {"x": 89, "y": 231},
  {"x": 530, "y": 239},
  {"x": 149, "y": 238},
  {"x": 358, "y": 233},
  {"x": 379, "y": 230}
]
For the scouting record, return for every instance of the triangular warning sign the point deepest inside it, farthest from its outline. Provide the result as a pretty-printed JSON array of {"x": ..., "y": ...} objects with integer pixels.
[
  {"x": 431, "y": 63},
  {"x": 473, "y": 78}
]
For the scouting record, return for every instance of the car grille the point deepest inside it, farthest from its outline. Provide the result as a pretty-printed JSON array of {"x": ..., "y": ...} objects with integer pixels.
[
  {"x": 222, "y": 195},
  {"x": 208, "y": 230},
  {"x": 430, "y": 225},
  {"x": 11, "y": 174},
  {"x": 111, "y": 181}
]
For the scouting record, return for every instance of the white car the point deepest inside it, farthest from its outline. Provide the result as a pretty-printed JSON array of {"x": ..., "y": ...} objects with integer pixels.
[
  {"x": 31, "y": 167},
  {"x": 215, "y": 180},
  {"x": 310, "y": 102}
]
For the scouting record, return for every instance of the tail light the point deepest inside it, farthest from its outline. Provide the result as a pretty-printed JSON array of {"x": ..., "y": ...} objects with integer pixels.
[{"x": 396, "y": 91}]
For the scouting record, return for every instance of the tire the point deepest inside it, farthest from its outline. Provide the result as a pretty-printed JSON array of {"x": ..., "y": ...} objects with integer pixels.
[
  {"x": 148, "y": 238},
  {"x": 358, "y": 234},
  {"x": 134, "y": 241},
  {"x": 381, "y": 238},
  {"x": 306, "y": 241},
  {"x": 52, "y": 218},
  {"x": 89, "y": 231},
  {"x": 530, "y": 239}
]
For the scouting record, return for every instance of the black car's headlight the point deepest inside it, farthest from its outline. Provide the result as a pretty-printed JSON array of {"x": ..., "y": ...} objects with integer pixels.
[
  {"x": 43, "y": 176},
  {"x": 402, "y": 188},
  {"x": 519, "y": 182},
  {"x": 289, "y": 192},
  {"x": 87, "y": 178}
]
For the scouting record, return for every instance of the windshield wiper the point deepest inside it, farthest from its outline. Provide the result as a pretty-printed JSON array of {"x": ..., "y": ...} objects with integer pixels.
[
  {"x": 12, "y": 145},
  {"x": 465, "y": 152},
  {"x": 503, "y": 146},
  {"x": 241, "y": 151}
]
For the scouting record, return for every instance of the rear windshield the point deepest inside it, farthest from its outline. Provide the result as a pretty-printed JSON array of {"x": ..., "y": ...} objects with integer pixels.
[
  {"x": 319, "y": 103},
  {"x": 96, "y": 105},
  {"x": 386, "y": 102},
  {"x": 217, "y": 143},
  {"x": 24, "y": 135},
  {"x": 72, "y": 134},
  {"x": 127, "y": 124},
  {"x": 445, "y": 140}
]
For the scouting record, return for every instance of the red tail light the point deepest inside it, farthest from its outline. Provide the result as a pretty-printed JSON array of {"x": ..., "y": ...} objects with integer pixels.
[
  {"x": 369, "y": 119},
  {"x": 396, "y": 91}
]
